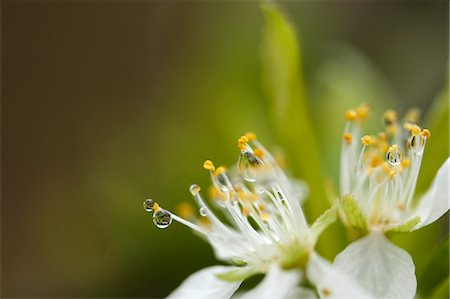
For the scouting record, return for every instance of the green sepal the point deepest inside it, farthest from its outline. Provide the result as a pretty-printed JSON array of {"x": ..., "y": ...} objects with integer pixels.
[
  {"x": 294, "y": 257},
  {"x": 354, "y": 217},
  {"x": 406, "y": 226},
  {"x": 238, "y": 274},
  {"x": 326, "y": 219}
]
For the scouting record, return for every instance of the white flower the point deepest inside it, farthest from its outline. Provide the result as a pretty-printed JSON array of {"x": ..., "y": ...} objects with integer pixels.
[
  {"x": 265, "y": 232},
  {"x": 377, "y": 180}
]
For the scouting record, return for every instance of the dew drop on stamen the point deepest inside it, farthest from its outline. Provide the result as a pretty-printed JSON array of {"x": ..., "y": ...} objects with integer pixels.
[
  {"x": 223, "y": 182},
  {"x": 148, "y": 205},
  {"x": 248, "y": 164},
  {"x": 194, "y": 189},
  {"x": 162, "y": 219},
  {"x": 203, "y": 212},
  {"x": 394, "y": 156}
]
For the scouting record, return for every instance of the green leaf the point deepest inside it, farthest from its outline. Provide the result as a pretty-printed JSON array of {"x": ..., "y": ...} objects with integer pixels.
[
  {"x": 353, "y": 215},
  {"x": 238, "y": 273},
  {"x": 284, "y": 85},
  {"x": 406, "y": 226},
  {"x": 325, "y": 220},
  {"x": 436, "y": 269}
]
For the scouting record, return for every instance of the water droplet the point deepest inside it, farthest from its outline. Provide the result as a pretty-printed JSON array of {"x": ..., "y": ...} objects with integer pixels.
[
  {"x": 194, "y": 189},
  {"x": 202, "y": 211},
  {"x": 148, "y": 205},
  {"x": 162, "y": 218},
  {"x": 248, "y": 165},
  {"x": 394, "y": 156}
]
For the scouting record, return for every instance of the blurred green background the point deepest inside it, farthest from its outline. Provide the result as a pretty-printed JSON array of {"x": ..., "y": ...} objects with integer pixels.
[{"x": 105, "y": 104}]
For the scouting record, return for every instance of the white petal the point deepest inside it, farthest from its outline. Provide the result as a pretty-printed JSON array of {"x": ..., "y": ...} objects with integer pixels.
[
  {"x": 205, "y": 284},
  {"x": 302, "y": 293},
  {"x": 380, "y": 267},
  {"x": 330, "y": 282},
  {"x": 277, "y": 283},
  {"x": 435, "y": 202}
]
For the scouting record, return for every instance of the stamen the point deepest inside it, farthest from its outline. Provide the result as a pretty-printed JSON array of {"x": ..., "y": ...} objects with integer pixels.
[
  {"x": 413, "y": 115},
  {"x": 242, "y": 142},
  {"x": 417, "y": 141},
  {"x": 219, "y": 170},
  {"x": 426, "y": 133},
  {"x": 265, "y": 217},
  {"x": 362, "y": 112},
  {"x": 392, "y": 130},
  {"x": 209, "y": 165},
  {"x": 415, "y": 130},
  {"x": 221, "y": 180},
  {"x": 408, "y": 126},
  {"x": 258, "y": 153},
  {"x": 406, "y": 163},
  {"x": 350, "y": 115},
  {"x": 368, "y": 140},
  {"x": 156, "y": 207},
  {"x": 251, "y": 136},
  {"x": 347, "y": 138},
  {"x": 195, "y": 189},
  {"x": 389, "y": 117}
]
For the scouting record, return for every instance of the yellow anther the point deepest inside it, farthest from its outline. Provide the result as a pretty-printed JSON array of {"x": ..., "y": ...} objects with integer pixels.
[
  {"x": 413, "y": 115},
  {"x": 350, "y": 115},
  {"x": 209, "y": 165},
  {"x": 368, "y": 140},
  {"x": 242, "y": 142},
  {"x": 408, "y": 126},
  {"x": 156, "y": 207},
  {"x": 385, "y": 167},
  {"x": 392, "y": 173},
  {"x": 347, "y": 138},
  {"x": 219, "y": 170},
  {"x": 384, "y": 146},
  {"x": 204, "y": 222},
  {"x": 250, "y": 135},
  {"x": 261, "y": 207},
  {"x": 185, "y": 210},
  {"x": 265, "y": 217},
  {"x": 390, "y": 116},
  {"x": 382, "y": 136},
  {"x": 401, "y": 206},
  {"x": 253, "y": 197},
  {"x": 376, "y": 161},
  {"x": 426, "y": 133},
  {"x": 362, "y": 111},
  {"x": 406, "y": 162},
  {"x": 212, "y": 192},
  {"x": 245, "y": 211},
  {"x": 415, "y": 130},
  {"x": 258, "y": 153},
  {"x": 391, "y": 129},
  {"x": 326, "y": 292}
]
